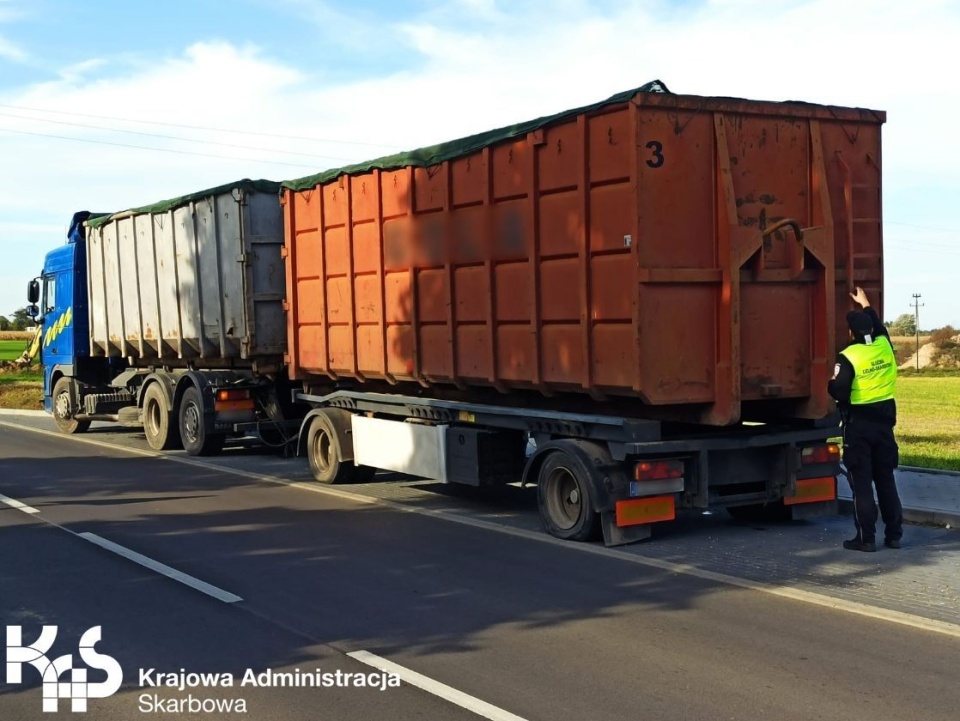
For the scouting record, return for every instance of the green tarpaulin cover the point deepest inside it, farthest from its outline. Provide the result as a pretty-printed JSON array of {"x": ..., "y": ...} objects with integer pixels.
[
  {"x": 262, "y": 186},
  {"x": 426, "y": 157}
]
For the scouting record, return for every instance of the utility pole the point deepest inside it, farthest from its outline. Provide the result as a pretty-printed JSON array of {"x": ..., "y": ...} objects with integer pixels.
[{"x": 916, "y": 316}]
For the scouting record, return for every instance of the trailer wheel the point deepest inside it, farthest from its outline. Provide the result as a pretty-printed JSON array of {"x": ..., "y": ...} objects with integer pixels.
[
  {"x": 565, "y": 498},
  {"x": 193, "y": 431},
  {"x": 65, "y": 407},
  {"x": 327, "y": 433},
  {"x": 161, "y": 433}
]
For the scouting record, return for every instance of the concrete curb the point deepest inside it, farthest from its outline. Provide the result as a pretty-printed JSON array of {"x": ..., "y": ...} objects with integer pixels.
[{"x": 921, "y": 516}]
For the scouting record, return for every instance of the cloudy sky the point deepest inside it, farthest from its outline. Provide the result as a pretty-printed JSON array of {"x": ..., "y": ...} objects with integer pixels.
[{"x": 106, "y": 104}]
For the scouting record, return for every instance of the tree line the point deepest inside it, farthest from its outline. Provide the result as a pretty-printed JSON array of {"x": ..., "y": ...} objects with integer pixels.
[{"x": 20, "y": 320}]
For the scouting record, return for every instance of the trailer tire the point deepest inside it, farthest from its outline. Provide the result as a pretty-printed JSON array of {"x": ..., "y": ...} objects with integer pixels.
[
  {"x": 566, "y": 499},
  {"x": 65, "y": 407},
  {"x": 158, "y": 426},
  {"x": 327, "y": 433},
  {"x": 193, "y": 431}
]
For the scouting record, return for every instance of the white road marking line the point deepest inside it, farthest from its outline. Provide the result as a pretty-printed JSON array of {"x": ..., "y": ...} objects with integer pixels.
[
  {"x": 860, "y": 609},
  {"x": 163, "y": 569},
  {"x": 16, "y": 504},
  {"x": 448, "y": 693}
]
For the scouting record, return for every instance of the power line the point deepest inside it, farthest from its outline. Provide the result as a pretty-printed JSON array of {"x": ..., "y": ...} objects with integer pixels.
[
  {"x": 922, "y": 227},
  {"x": 198, "y": 127},
  {"x": 160, "y": 150},
  {"x": 175, "y": 137}
]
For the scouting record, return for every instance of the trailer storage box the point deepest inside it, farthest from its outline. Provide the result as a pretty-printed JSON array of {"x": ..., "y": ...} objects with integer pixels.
[
  {"x": 691, "y": 253},
  {"x": 196, "y": 277}
]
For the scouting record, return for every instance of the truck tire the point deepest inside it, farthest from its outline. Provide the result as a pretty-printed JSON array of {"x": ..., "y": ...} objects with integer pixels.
[
  {"x": 193, "y": 432},
  {"x": 65, "y": 407},
  {"x": 327, "y": 433},
  {"x": 162, "y": 434},
  {"x": 565, "y": 498}
]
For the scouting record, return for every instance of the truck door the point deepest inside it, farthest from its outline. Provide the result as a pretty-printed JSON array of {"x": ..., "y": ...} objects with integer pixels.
[{"x": 56, "y": 310}]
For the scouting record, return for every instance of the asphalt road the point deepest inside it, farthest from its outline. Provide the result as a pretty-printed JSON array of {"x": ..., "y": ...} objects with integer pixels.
[{"x": 519, "y": 627}]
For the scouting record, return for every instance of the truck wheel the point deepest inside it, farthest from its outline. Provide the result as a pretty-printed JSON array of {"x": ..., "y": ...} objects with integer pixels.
[
  {"x": 65, "y": 408},
  {"x": 162, "y": 435},
  {"x": 565, "y": 498},
  {"x": 328, "y": 430},
  {"x": 193, "y": 431}
]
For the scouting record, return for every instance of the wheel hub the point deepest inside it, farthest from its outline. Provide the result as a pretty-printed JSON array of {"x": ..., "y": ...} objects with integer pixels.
[
  {"x": 63, "y": 405},
  {"x": 191, "y": 421}
]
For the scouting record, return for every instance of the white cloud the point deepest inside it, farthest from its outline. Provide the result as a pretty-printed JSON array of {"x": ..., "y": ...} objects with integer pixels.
[
  {"x": 475, "y": 65},
  {"x": 10, "y": 51}
]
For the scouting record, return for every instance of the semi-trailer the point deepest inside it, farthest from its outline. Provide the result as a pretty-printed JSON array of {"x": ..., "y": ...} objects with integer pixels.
[{"x": 633, "y": 305}]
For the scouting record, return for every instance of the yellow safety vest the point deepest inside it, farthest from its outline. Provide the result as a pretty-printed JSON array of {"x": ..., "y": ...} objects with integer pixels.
[{"x": 875, "y": 371}]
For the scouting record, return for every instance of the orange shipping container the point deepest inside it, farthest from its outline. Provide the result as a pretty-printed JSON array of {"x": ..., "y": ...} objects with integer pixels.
[{"x": 686, "y": 257}]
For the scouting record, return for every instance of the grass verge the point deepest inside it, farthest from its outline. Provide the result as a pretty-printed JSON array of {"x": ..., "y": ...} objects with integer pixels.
[
  {"x": 928, "y": 421},
  {"x": 20, "y": 394}
]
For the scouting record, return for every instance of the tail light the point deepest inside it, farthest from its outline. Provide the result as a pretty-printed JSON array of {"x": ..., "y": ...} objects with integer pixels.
[
  {"x": 233, "y": 399},
  {"x": 829, "y": 453},
  {"x": 658, "y": 470},
  {"x": 233, "y": 395}
]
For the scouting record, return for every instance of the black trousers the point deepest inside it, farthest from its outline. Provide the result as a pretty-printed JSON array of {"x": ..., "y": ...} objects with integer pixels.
[{"x": 870, "y": 454}]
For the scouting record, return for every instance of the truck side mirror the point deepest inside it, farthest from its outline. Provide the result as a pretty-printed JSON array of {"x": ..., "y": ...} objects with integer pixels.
[
  {"x": 33, "y": 311},
  {"x": 33, "y": 291}
]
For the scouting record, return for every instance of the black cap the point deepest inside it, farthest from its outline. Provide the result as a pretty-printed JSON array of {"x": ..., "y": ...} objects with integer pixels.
[{"x": 860, "y": 323}]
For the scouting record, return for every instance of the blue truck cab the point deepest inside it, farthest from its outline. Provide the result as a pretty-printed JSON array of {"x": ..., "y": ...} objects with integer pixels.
[{"x": 65, "y": 328}]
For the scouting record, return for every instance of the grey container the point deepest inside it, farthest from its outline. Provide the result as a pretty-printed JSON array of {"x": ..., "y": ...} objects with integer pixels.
[{"x": 195, "y": 281}]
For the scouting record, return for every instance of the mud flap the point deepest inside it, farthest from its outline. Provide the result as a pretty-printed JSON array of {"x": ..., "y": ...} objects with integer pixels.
[
  {"x": 614, "y": 535},
  {"x": 809, "y": 511}
]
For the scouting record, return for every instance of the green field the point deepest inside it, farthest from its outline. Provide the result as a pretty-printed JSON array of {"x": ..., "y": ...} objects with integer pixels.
[
  {"x": 11, "y": 349},
  {"x": 928, "y": 415}
]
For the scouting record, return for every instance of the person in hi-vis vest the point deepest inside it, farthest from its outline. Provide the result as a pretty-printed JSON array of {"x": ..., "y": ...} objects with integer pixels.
[{"x": 864, "y": 382}]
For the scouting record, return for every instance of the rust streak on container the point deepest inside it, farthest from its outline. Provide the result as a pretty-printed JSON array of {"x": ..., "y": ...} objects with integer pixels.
[
  {"x": 535, "y": 140},
  {"x": 381, "y": 276},
  {"x": 490, "y": 247},
  {"x": 450, "y": 269},
  {"x": 726, "y": 403},
  {"x": 583, "y": 181},
  {"x": 635, "y": 300},
  {"x": 414, "y": 320},
  {"x": 351, "y": 281},
  {"x": 324, "y": 304},
  {"x": 291, "y": 304}
]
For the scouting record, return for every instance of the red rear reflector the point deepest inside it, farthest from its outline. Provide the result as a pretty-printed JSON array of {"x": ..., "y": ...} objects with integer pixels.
[
  {"x": 645, "y": 510},
  {"x": 232, "y": 395},
  {"x": 657, "y": 470},
  {"x": 220, "y": 406},
  {"x": 810, "y": 490},
  {"x": 830, "y": 453}
]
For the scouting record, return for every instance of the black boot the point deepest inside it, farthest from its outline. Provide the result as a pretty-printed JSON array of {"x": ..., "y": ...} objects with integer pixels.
[{"x": 855, "y": 544}]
